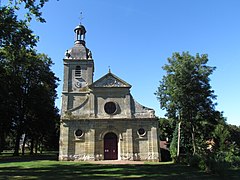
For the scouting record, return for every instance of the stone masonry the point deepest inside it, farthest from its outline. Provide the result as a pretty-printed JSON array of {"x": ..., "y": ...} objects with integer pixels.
[{"x": 101, "y": 120}]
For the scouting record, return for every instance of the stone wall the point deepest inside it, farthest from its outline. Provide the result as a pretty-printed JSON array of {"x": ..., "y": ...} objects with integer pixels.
[{"x": 137, "y": 139}]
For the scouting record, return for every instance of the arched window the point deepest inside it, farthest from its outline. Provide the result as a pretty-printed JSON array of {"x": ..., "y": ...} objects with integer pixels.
[{"x": 78, "y": 72}]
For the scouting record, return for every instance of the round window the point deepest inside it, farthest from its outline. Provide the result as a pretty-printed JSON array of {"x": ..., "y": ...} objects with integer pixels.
[
  {"x": 141, "y": 132},
  {"x": 79, "y": 133},
  {"x": 110, "y": 107}
]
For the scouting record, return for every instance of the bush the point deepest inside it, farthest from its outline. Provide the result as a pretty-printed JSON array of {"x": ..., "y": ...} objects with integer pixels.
[
  {"x": 235, "y": 162},
  {"x": 215, "y": 163},
  {"x": 232, "y": 156},
  {"x": 198, "y": 161},
  {"x": 195, "y": 161}
]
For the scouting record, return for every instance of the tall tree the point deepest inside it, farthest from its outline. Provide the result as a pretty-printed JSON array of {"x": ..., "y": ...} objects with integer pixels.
[
  {"x": 186, "y": 94},
  {"x": 14, "y": 36},
  {"x": 41, "y": 111},
  {"x": 25, "y": 76}
]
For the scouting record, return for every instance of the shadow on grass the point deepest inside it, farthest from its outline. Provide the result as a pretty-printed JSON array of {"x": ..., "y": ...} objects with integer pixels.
[
  {"x": 73, "y": 170},
  {"x": 27, "y": 158}
]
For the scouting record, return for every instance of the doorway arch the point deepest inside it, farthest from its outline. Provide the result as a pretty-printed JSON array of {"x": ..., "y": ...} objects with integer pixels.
[{"x": 110, "y": 146}]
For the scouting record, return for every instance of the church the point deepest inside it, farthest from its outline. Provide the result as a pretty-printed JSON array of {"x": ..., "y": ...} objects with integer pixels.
[{"x": 100, "y": 120}]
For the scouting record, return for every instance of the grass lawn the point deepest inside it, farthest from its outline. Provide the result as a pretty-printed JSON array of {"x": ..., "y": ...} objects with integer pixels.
[{"x": 38, "y": 168}]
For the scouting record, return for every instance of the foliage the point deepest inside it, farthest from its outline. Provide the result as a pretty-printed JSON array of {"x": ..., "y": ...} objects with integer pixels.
[
  {"x": 196, "y": 161},
  {"x": 33, "y": 8},
  {"x": 28, "y": 85},
  {"x": 226, "y": 152},
  {"x": 186, "y": 94},
  {"x": 234, "y": 134},
  {"x": 186, "y": 85},
  {"x": 166, "y": 127},
  {"x": 219, "y": 153},
  {"x": 173, "y": 145},
  {"x": 221, "y": 135},
  {"x": 201, "y": 135}
]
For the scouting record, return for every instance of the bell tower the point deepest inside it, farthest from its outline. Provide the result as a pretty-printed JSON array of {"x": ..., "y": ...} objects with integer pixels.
[{"x": 78, "y": 71}]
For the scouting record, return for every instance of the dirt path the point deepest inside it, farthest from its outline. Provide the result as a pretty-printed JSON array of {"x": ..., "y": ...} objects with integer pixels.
[{"x": 116, "y": 162}]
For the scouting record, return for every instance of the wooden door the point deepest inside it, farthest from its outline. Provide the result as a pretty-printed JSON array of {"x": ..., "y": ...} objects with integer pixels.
[{"x": 110, "y": 147}]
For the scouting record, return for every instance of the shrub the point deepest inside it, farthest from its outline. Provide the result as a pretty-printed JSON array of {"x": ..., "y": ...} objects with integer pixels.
[
  {"x": 173, "y": 146},
  {"x": 198, "y": 161},
  {"x": 217, "y": 163},
  {"x": 232, "y": 156},
  {"x": 195, "y": 161}
]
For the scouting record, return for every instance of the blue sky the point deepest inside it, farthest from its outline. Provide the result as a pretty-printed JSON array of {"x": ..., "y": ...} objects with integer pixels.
[{"x": 135, "y": 38}]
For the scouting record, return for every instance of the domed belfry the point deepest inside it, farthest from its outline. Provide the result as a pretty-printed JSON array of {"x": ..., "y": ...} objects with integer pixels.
[{"x": 100, "y": 120}]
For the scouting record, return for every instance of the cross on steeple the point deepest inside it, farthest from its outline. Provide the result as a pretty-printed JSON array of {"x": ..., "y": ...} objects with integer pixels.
[{"x": 81, "y": 17}]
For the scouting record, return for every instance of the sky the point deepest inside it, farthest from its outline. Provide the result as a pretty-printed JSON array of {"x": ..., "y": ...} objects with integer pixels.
[{"x": 135, "y": 38}]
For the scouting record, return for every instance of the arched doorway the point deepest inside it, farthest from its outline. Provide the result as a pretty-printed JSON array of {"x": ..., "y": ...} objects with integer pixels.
[{"x": 110, "y": 146}]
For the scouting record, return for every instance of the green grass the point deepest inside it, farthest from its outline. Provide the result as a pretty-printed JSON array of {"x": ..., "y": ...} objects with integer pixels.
[{"x": 36, "y": 168}]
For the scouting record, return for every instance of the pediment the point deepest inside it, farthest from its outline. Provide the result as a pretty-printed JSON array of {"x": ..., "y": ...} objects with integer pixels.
[{"x": 110, "y": 80}]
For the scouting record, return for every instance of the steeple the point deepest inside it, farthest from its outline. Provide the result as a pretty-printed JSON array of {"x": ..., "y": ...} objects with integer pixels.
[
  {"x": 79, "y": 51},
  {"x": 78, "y": 64}
]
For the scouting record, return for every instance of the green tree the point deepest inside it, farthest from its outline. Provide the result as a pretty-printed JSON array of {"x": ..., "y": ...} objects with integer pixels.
[
  {"x": 14, "y": 36},
  {"x": 221, "y": 135},
  {"x": 166, "y": 127},
  {"x": 185, "y": 93},
  {"x": 234, "y": 134},
  {"x": 26, "y": 78},
  {"x": 32, "y": 7},
  {"x": 40, "y": 86},
  {"x": 4, "y": 111}
]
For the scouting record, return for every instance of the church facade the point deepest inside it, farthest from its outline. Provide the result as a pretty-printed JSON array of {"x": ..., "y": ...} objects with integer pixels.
[{"x": 101, "y": 120}]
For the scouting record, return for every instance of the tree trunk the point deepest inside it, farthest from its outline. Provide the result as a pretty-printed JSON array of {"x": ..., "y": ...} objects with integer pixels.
[
  {"x": 179, "y": 138},
  {"x": 41, "y": 144},
  {"x": 2, "y": 140},
  {"x": 36, "y": 146},
  {"x": 17, "y": 143},
  {"x": 31, "y": 146},
  {"x": 23, "y": 145},
  {"x": 193, "y": 140}
]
